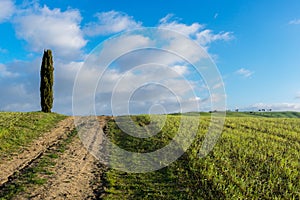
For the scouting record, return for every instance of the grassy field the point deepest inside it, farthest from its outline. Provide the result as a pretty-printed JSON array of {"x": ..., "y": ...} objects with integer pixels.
[
  {"x": 18, "y": 129},
  {"x": 255, "y": 158},
  {"x": 287, "y": 114}
]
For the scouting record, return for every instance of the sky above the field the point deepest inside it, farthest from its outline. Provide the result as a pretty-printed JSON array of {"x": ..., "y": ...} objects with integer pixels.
[{"x": 254, "y": 44}]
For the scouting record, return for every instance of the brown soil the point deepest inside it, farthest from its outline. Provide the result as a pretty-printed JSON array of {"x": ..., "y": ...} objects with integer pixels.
[
  {"x": 72, "y": 178},
  {"x": 76, "y": 174},
  {"x": 17, "y": 162}
]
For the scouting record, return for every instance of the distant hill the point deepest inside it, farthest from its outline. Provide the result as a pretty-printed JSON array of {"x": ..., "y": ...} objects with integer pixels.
[{"x": 285, "y": 114}]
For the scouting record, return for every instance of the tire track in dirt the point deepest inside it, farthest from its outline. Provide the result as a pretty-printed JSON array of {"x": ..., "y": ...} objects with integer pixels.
[
  {"x": 76, "y": 174},
  {"x": 72, "y": 176},
  {"x": 12, "y": 164}
]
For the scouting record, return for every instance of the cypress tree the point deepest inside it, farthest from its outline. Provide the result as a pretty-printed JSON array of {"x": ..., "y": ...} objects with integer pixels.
[{"x": 46, "y": 86}]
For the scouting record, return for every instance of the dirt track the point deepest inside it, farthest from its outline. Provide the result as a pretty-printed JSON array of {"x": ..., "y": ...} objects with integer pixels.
[
  {"x": 73, "y": 176},
  {"x": 17, "y": 162},
  {"x": 76, "y": 173}
]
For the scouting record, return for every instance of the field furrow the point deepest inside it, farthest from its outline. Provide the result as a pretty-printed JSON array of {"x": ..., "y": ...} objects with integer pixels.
[
  {"x": 10, "y": 164},
  {"x": 64, "y": 170}
]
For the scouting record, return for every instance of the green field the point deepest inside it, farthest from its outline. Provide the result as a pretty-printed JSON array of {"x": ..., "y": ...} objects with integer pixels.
[
  {"x": 255, "y": 158},
  {"x": 250, "y": 114},
  {"x": 18, "y": 129}
]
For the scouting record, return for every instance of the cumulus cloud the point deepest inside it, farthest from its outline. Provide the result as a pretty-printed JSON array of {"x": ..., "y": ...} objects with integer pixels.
[
  {"x": 4, "y": 73},
  {"x": 206, "y": 37},
  {"x": 7, "y": 9},
  {"x": 19, "y": 86},
  {"x": 65, "y": 75},
  {"x": 294, "y": 22},
  {"x": 169, "y": 89},
  {"x": 43, "y": 28},
  {"x": 195, "y": 31},
  {"x": 244, "y": 72},
  {"x": 139, "y": 87},
  {"x": 121, "y": 46},
  {"x": 23, "y": 99},
  {"x": 168, "y": 22},
  {"x": 111, "y": 22},
  {"x": 180, "y": 70},
  {"x": 136, "y": 60}
]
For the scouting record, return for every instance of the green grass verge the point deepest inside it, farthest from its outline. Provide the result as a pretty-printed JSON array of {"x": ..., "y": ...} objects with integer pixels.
[
  {"x": 256, "y": 158},
  {"x": 18, "y": 129},
  {"x": 37, "y": 174}
]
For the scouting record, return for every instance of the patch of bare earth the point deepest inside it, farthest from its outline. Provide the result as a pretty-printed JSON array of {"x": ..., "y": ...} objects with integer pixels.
[
  {"x": 76, "y": 173},
  {"x": 72, "y": 178},
  {"x": 13, "y": 163}
]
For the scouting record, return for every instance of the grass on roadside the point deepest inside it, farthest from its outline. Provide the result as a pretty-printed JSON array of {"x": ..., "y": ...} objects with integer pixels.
[
  {"x": 38, "y": 173},
  {"x": 19, "y": 129}
]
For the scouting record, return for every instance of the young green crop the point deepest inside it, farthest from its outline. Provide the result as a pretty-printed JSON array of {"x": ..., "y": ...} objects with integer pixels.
[{"x": 255, "y": 158}]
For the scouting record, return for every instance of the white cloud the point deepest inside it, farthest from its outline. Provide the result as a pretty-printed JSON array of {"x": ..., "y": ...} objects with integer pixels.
[
  {"x": 18, "y": 98},
  {"x": 166, "y": 19},
  {"x": 20, "y": 85},
  {"x": 218, "y": 85},
  {"x": 295, "y": 22},
  {"x": 187, "y": 30},
  {"x": 131, "y": 88},
  {"x": 206, "y": 37},
  {"x": 123, "y": 45},
  {"x": 65, "y": 74},
  {"x": 181, "y": 70},
  {"x": 22, "y": 92},
  {"x": 275, "y": 106},
  {"x": 43, "y": 28},
  {"x": 244, "y": 72},
  {"x": 4, "y": 73},
  {"x": 185, "y": 48},
  {"x": 111, "y": 22},
  {"x": 119, "y": 84},
  {"x": 59, "y": 30},
  {"x": 7, "y": 9},
  {"x": 194, "y": 31},
  {"x": 298, "y": 95}
]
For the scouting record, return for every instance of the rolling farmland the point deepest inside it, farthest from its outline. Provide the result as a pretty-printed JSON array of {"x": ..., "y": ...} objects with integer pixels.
[{"x": 256, "y": 157}]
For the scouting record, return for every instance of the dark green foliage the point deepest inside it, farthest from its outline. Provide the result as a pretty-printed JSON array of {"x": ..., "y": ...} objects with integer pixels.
[{"x": 47, "y": 79}]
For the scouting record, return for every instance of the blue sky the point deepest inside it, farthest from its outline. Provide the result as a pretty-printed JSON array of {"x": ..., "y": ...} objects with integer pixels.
[{"x": 255, "y": 45}]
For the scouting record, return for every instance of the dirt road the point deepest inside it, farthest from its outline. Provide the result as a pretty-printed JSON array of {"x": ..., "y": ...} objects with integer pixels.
[
  {"x": 73, "y": 173},
  {"x": 11, "y": 164}
]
